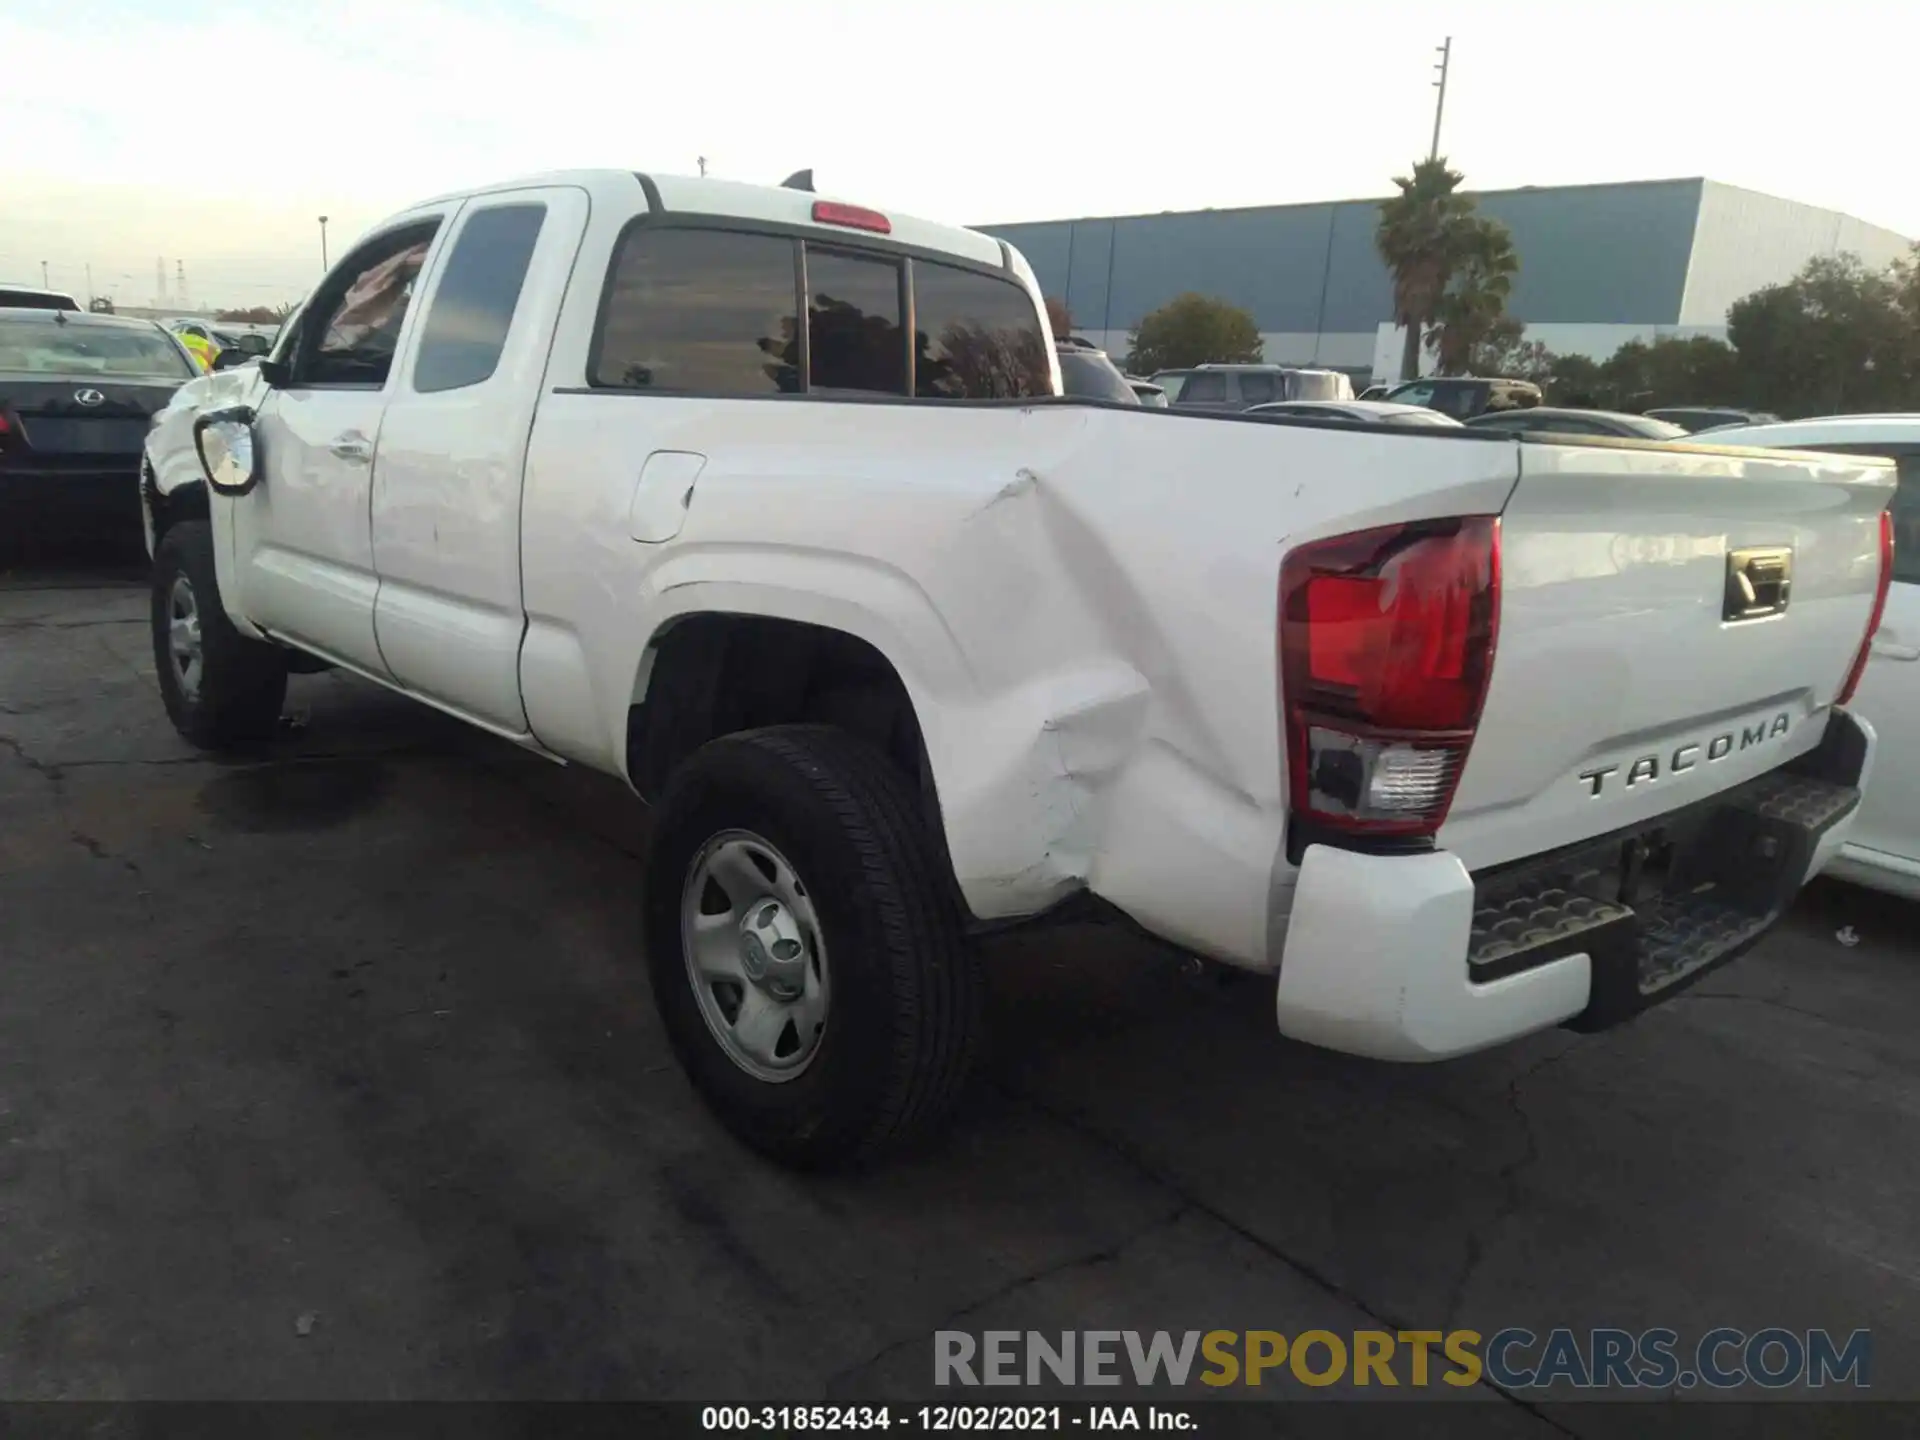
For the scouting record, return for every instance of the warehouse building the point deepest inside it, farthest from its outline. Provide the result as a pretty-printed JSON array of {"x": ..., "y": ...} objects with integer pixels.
[{"x": 1599, "y": 265}]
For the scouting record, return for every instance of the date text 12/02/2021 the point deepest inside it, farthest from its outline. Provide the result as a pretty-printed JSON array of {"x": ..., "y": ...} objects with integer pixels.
[{"x": 936, "y": 1419}]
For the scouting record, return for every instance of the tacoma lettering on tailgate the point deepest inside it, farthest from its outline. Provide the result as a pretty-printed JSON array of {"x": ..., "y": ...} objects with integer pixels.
[{"x": 1692, "y": 753}]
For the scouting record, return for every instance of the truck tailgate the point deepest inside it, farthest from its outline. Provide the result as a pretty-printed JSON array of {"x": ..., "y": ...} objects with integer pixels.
[{"x": 1634, "y": 672}]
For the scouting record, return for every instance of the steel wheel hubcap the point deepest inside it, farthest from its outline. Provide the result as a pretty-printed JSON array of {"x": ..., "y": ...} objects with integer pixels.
[
  {"x": 754, "y": 956},
  {"x": 183, "y": 636}
]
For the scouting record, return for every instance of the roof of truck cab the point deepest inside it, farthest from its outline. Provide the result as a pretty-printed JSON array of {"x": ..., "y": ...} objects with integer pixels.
[{"x": 708, "y": 196}]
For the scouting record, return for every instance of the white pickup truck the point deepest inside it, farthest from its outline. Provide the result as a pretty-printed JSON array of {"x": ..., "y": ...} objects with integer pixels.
[{"x": 769, "y": 505}]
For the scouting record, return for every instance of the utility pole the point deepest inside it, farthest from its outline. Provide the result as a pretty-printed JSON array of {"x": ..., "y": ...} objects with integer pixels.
[
  {"x": 44, "y": 285},
  {"x": 703, "y": 164},
  {"x": 323, "y": 242},
  {"x": 1440, "y": 104},
  {"x": 89, "y": 284}
]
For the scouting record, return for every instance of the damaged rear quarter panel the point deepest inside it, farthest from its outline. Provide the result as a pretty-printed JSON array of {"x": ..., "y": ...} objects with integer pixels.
[{"x": 1079, "y": 600}]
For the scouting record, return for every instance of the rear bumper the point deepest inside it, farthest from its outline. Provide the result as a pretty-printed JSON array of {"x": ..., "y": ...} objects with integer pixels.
[
  {"x": 69, "y": 500},
  {"x": 1411, "y": 957}
]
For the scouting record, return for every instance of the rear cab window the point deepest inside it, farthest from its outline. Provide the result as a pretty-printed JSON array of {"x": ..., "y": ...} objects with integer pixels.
[
  {"x": 976, "y": 337},
  {"x": 856, "y": 338},
  {"x": 703, "y": 310},
  {"x": 35, "y": 346}
]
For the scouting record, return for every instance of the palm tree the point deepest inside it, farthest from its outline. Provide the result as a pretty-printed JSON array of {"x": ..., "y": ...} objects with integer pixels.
[
  {"x": 1417, "y": 238},
  {"x": 1472, "y": 309}
]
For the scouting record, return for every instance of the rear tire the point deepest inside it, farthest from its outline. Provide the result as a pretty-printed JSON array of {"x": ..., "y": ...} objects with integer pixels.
[
  {"x": 222, "y": 690},
  {"x": 880, "y": 1046}
]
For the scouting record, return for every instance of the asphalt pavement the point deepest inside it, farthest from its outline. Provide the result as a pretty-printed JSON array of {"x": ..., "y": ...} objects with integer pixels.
[{"x": 333, "y": 1074}]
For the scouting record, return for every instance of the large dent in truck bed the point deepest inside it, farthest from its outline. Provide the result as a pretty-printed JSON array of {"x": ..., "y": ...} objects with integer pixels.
[
  {"x": 1041, "y": 569},
  {"x": 1116, "y": 594}
]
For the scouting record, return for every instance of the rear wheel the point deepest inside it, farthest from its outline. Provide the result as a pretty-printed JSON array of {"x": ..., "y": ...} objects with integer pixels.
[
  {"x": 808, "y": 965},
  {"x": 221, "y": 689}
]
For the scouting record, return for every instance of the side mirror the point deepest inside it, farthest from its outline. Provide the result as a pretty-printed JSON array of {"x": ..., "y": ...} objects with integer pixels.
[
  {"x": 231, "y": 357},
  {"x": 273, "y": 372},
  {"x": 224, "y": 439}
]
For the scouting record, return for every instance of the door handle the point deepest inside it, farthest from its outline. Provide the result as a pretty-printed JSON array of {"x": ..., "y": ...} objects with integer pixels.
[{"x": 353, "y": 447}]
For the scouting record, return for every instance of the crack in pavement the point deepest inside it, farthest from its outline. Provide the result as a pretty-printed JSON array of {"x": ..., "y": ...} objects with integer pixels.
[
  {"x": 51, "y": 773},
  {"x": 399, "y": 752},
  {"x": 1106, "y": 1255},
  {"x": 68, "y": 624},
  {"x": 1776, "y": 1002},
  {"x": 1480, "y": 1237},
  {"x": 1305, "y": 1269}
]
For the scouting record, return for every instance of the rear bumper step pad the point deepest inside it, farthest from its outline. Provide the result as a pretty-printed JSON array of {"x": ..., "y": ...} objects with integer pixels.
[{"x": 1656, "y": 907}]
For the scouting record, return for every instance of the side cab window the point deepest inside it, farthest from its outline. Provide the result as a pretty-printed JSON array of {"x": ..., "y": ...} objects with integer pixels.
[
  {"x": 1204, "y": 387},
  {"x": 346, "y": 335}
]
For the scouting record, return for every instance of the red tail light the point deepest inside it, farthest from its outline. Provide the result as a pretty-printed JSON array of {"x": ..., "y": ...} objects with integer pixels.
[
  {"x": 1879, "y": 608},
  {"x": 1386, "y": 645},
  {"x": 854, "y": 217}
]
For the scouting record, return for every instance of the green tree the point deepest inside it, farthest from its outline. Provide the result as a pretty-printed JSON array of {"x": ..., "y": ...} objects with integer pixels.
[
  {"x": 1511, "y": 354},
  {"x": 1470, "y": 317},
  {"x": 1425, "y": 233},
  {"x": 1667, "y": 370},
  {"x": 1192, "y": 329},
  {"x": 1574, "y": 380},
  {"x": 1837, "y": 337},
  {"x": 1905, "y": 274}
]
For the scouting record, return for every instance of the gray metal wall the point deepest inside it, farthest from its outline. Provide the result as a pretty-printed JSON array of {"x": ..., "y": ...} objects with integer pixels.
[
  {"x": 1592, "y": 254},
  {"x": 1747, "y": 240}
]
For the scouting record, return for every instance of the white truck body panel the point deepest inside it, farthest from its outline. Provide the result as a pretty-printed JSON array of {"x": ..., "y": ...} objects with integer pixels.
[
  {"x": 1612, "y": 647},
  {"x": 1080, "y": 603}
]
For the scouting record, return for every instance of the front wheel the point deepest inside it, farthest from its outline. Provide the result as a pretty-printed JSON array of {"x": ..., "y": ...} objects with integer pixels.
[
  {"x": 221, "y": 689},
  {"x": 807, "y": 962}
]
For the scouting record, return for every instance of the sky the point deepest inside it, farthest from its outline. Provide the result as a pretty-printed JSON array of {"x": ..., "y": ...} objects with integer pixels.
[{"x": 214, "y": 133}]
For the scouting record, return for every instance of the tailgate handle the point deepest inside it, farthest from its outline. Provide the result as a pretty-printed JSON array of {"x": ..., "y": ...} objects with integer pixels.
[{"x": 1759, "y": 582}]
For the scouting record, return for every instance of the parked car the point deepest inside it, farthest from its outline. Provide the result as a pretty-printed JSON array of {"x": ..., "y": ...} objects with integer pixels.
[
  {"x": 22, "y": 297},
  {"x": 1241, "y": 387},
  {"x": 1696, "y": 418},
  {"x": 1884, "y": 850},
  {"x": 1150, "y": 394},
  {"x": 77, "y": 392},
  {"x": 1374, "y": 392},
  {"x": 1464, "y": 396},
  {"x": 1367, "y": 412},
  {"x": 1086, "y": 371},
  {"x": 894, "y": 674},
  {"x": 250, "y": 340},
  {"x": 1548, "y": 420}
]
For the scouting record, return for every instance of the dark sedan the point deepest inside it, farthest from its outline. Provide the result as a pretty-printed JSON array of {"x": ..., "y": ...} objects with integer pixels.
[
  {"x": 1547, "y": 420},
  {"x": 76, "y": 394}
]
